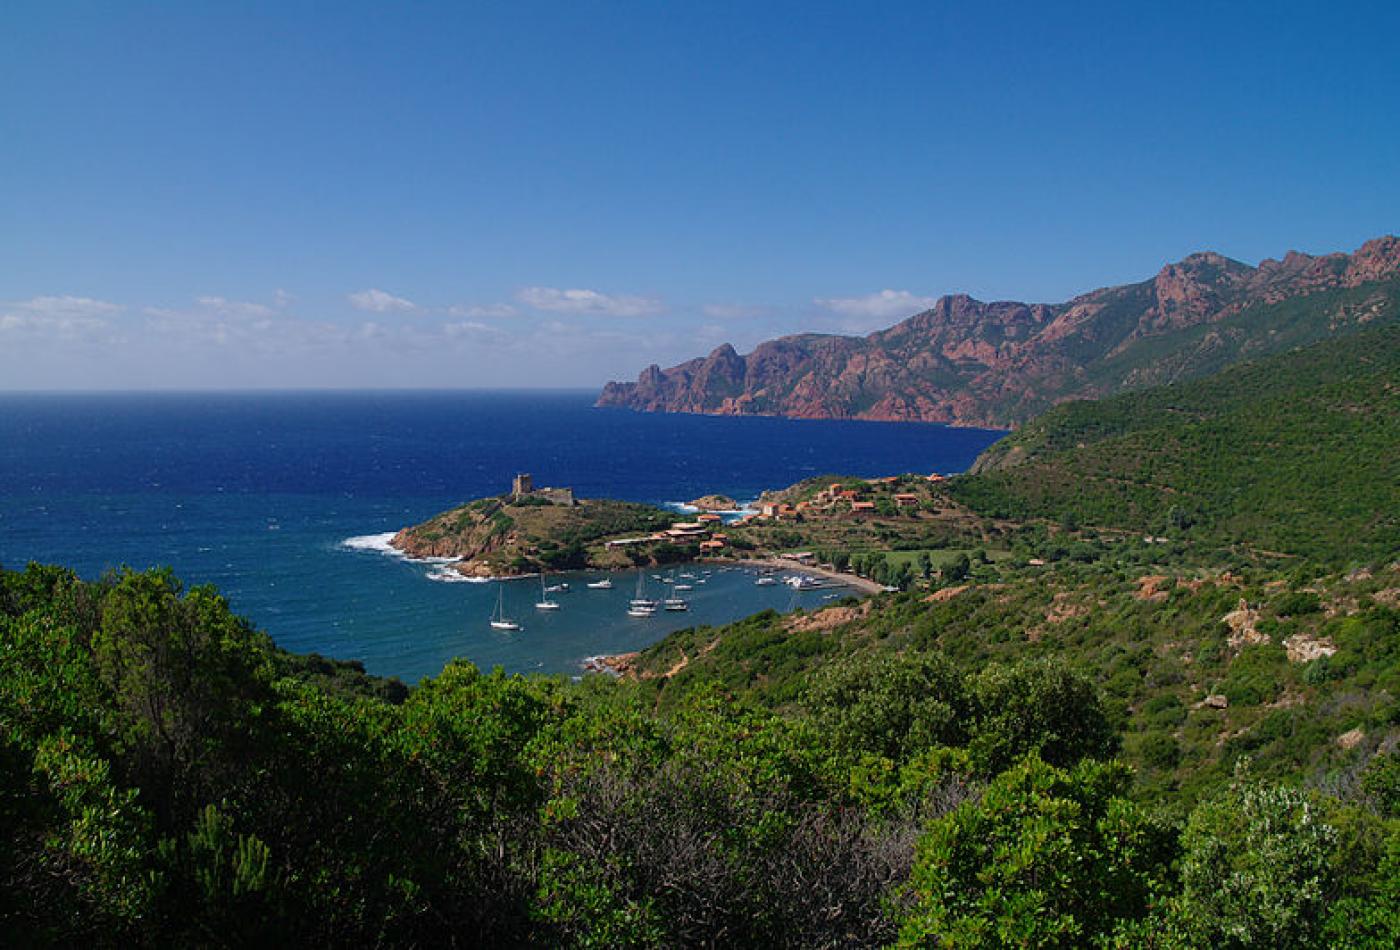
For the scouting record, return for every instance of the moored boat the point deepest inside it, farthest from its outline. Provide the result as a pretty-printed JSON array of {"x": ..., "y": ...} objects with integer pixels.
[{"x": 499, "y": 620}]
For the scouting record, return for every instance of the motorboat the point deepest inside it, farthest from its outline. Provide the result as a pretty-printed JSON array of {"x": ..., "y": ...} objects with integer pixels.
[{"x": 605, "y": 584}]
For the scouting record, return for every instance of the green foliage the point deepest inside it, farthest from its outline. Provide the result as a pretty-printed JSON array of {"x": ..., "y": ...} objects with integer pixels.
[
  {"x": 1257, "y": 868},
  {"x": 1045, "y": 857},
  {"x": 1037, "y": 707},
  {"x": 891, "y": 705},
  {"x": 1293, "y": 453},
  {"x": 168, "y": 777}
]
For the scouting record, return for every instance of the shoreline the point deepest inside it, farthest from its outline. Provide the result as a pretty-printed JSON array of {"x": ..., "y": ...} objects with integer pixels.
[
  {"x": 624, "y": 665},
  {"x": 865, "y": 585}
]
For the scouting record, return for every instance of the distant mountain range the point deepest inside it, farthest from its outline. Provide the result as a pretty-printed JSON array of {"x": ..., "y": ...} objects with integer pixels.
[{"x": 967, "y": 362}]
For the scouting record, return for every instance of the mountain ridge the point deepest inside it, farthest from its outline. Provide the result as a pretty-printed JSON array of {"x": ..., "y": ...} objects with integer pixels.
[{"x": 968, "y": 362}]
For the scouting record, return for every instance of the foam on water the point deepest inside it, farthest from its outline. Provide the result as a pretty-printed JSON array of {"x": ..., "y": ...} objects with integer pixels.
[
  {"x": 379, "y": 543},
  {"x": 454, "y": 577}
]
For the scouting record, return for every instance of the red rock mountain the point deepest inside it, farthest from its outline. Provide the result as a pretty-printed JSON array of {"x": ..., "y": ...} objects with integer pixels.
[{"x": 967, "y": 362}]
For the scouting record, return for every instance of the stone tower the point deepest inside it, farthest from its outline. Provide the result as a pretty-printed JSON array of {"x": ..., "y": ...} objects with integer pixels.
[{"x": 522, "y": 486}]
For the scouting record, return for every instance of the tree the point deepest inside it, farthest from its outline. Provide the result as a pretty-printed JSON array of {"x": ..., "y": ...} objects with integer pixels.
[
  {"x": 890, "y": 705},
  {"x": 957, "y": 570},
  {"x": 1257, "y": 868},
  {"x": 1037, "y": 706},
  {"x": 1045, "y": 857}
]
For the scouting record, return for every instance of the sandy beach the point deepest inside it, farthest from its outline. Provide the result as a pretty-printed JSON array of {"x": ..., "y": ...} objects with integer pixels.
[{"x": 786, "y": 564}]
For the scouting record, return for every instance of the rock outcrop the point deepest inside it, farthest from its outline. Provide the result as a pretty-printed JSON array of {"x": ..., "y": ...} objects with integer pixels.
[{"x": 967, "y": 362}]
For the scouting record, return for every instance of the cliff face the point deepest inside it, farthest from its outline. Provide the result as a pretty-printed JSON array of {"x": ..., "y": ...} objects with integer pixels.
[{"x": 973, "y": 363}]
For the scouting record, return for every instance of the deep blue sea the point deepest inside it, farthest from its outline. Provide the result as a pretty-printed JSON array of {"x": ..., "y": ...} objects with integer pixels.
[{"x": 259, "y": 493}]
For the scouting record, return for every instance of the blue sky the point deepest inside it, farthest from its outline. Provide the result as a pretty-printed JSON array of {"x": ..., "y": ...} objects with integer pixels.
[{"x": 546, "y": 194}]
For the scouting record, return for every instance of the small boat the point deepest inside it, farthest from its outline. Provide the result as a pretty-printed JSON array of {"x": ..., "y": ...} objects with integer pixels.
[
  {"x": 604, "y": 584},
  {"x": 499, "y": 620},
  {"x": 684, "y": 587},
  {"x": 675, "y": 603},
  {"x": 557, "y": 588},
  {"x": 640, "y": 606},
  {"x": 765, "y": 581},
  {"x": 544, "y": 602}
]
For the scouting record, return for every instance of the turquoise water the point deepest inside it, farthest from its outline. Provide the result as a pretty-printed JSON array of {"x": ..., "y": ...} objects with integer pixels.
[{"x": 258, "y": 494}]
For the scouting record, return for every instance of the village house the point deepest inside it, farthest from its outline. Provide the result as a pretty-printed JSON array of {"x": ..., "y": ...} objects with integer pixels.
[
  {"x": 863, "y": 507},
  {"x": 686, "y": 529},
  {"x": 906, "y": 500}
]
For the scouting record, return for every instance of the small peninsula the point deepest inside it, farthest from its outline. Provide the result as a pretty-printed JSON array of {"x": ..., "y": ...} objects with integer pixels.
[{"x": 531, "y": 529}]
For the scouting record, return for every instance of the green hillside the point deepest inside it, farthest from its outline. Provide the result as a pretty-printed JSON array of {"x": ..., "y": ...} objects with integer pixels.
[
  {"x": 1257, "y": 331},
  {"x": 1296, "y": 453},
  {"x": 1160, "y": 710}
]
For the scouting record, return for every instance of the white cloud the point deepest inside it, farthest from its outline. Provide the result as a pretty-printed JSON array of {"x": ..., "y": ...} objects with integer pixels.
[
  {"x": 234, "y": 308},
  {"x": 486, "y": 311},
  {"x": 886, "y": 303},
  {"x": 62, "y": 307},
  {"x": 379, "y": 301},
  {"x": 555, "y": 300},
  {"x": 65, "y": 316}
]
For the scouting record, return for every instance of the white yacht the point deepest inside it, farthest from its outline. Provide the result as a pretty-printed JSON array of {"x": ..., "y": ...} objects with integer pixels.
[
  {"x": 499, "y": 620},
  {"x": 604, "y": 584},
  {"x": 640, "y": 606},
  {"x": 544, "y": 602}
]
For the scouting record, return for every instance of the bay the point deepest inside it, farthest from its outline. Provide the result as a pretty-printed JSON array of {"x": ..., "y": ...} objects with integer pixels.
[{"x": 257, "y": 493}]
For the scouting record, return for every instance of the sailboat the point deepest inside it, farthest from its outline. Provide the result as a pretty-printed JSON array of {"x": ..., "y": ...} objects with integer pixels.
[
  {"x": 544, "y": 603},
  {"x": 673, "y": 602},
  {"x": 499, "y": 620},
  {"x": 640, "y": 606}
]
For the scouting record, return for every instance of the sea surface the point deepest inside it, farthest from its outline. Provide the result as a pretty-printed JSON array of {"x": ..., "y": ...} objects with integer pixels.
[{"x": 277, "y": 498}]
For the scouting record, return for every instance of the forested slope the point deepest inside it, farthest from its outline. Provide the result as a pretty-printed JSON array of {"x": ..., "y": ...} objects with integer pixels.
[{"x": 1298, "y": 453}]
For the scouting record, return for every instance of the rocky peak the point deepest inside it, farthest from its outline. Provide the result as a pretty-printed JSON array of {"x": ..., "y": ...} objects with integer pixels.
[
  {"x": 1377, "y": 259},
  {"x": 964, "y": 360},
  {"x": 1190, "y": 288}
]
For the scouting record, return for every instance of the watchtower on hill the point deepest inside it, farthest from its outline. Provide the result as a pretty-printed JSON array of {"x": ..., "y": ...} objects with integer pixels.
[{"x": 523, "y": 487}]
